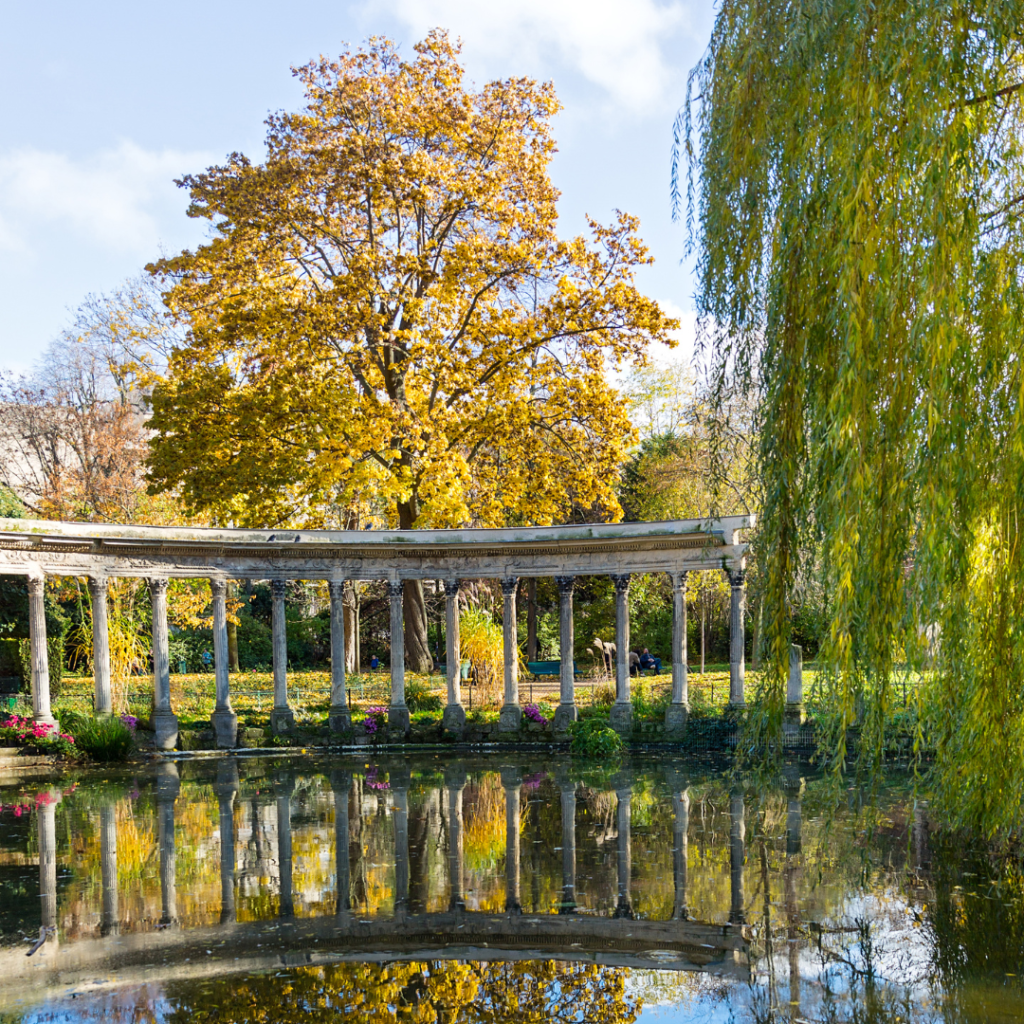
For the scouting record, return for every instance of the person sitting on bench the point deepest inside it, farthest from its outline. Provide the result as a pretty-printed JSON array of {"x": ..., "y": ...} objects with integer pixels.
[{"x": 648, "y": 661}]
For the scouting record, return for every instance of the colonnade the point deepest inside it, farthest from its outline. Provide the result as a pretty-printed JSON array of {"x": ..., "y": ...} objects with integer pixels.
[{"x": 225, "y": 721}]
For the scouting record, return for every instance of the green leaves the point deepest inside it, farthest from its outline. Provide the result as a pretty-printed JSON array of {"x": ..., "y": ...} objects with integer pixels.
[{"x": 860, "y": 238}]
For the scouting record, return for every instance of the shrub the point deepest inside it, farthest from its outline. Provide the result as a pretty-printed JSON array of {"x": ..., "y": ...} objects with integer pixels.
[
  {"x": 103, "y": 739},
  {"x": 420, "y": 697},
  {"x": 54, "y": 659},
  {"x": 594, "y": 737}
]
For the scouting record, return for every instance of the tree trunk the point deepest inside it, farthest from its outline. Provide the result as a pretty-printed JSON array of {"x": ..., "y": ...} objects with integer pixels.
[
  {"x": 414, "y": 607},
  {"x": 702, "y": 611},
  {"x": 350, "y": 607},
  {"x": 531, "y": 619},
  {"x": 232, "y": 634}
]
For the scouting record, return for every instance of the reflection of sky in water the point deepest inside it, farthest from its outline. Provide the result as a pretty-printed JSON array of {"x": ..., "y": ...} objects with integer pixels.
[{"x": 641, "y": 851}]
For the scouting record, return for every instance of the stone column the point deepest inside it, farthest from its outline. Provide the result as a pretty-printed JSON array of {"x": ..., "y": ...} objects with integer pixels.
[
  {"x": 339, "y": 719},
  {"x": 282, "y": 720},
  {"x": 567, "y": 792},
  {"x": 793, "y": 716},
  {"x": 454, "y": 717},
  {"x": 224, "y": 720},
  {"x": 103, "y": 701},
  {"x": 40, "y": 661},
  {"x": 398, "y": 713},
  {"x": 165, "y": 722},
  {"x": 566, "y": 711},
  {"x": 512, "y": 781},
  {"x": 46, "y": 824},
  {"x": 455, "y": 781},
  {"x": 678, "y": 711},
  {"x": 109, "y": 918},
  {"x": 511, "y": 715},
  {"x": 341, "y": 783},
  {"x": 226, "y": 788},
  {"x": 399, "y": 779},
  {"x": 737, "y": 856},
  {"x": 621, "y": 715},
  {"x": 283, "y": 789},
  {"x": 624, "y": 907},
  {"x": 680, "y": 851},
  {"x": 737, "y": 640},
  {"x": 167, "y": 787}
]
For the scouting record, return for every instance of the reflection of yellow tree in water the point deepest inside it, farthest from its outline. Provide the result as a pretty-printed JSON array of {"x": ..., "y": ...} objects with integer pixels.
[{"x": 417, "y": 993}]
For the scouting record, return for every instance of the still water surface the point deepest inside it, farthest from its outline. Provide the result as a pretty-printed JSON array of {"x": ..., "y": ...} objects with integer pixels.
[{"x": 486, "y": 890}]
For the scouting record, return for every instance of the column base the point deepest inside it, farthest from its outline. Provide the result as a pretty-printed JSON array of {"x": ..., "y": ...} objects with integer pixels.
[
  {"x": 735, "y": 709},
  {"x": 620, "y": 718},
  {"x": 339, "y": 719},
  {"x": 398, "y": 721},
  {"x": 225, "y": 728},
  {"x": 676, "y": 717},
  {"x": 565, "y": 715},
  {"x": 510, "y": 718},
  {"x": 794, "y": 713},
  {"x": 165, "y": 730},
  {"x": 453, "y": 719},
  {"x": 282, "y": 721}
]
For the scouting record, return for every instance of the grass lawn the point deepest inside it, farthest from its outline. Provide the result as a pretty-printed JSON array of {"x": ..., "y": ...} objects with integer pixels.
[{"x": 193, "y": 695}]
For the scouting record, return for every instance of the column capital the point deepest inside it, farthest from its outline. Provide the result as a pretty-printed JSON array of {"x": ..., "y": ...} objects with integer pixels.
[
  {"x": 35, "y": 584},
  {"x": 737, "y": 577},
  {"x": 509, "y": 584},
  {"x": 99, "y": 581},
  {"x": 158, "y": 585},
  {"x": 279, "y": 588},
  {"x": 679, "y": 578},
  {"x": 565, "y": 584},
  {"x": 621, "y": 581},
  {"x": 451, "y": 587},
  {"x": 395, "y": 588},
  {"x": 336, "y": 589},
  {"x": 218, "y": 587}
]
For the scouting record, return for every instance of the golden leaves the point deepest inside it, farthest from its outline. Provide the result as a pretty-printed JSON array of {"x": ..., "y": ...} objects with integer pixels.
[{"x": 387, "y": 314}]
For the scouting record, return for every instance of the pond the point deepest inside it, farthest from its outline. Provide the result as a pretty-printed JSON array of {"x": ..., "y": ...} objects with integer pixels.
[{"x": 493, "y": 889}]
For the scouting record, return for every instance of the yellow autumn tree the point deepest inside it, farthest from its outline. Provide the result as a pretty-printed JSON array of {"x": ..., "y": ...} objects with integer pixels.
[{"x": 386, "y": 313}]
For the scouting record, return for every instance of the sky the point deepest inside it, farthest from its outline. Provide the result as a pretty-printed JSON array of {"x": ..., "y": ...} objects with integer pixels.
[{"x": 104, "y": 104}]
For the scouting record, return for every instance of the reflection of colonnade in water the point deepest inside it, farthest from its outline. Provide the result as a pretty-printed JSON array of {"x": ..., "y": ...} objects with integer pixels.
[
  {"x": 267, "y": 851},
  {"x": 267, "y": 855}
]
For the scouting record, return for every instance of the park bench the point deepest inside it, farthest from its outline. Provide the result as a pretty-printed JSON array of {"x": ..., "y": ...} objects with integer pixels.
[{"x": 549, "y": 668}]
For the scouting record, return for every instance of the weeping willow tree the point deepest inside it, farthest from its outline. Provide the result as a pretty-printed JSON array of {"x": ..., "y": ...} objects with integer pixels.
[{"x": 856, "y": 194}]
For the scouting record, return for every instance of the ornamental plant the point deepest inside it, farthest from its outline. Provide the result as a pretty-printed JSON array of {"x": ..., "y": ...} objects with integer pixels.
[
  {"x": 18, "y": 731},
  {"x": 376, "y": 719},
  {"x": 533, "y": 713}
]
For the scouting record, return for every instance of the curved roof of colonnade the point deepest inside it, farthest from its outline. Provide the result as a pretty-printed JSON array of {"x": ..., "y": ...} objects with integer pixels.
[{"x": 28, "y": 546}]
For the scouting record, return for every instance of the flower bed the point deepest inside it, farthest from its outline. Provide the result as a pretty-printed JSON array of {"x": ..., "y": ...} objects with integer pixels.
[{"x": 16, "y": 731}]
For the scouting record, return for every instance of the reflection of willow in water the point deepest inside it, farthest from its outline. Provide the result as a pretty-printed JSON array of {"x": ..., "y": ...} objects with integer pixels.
[{"x": 424, "y": 993}]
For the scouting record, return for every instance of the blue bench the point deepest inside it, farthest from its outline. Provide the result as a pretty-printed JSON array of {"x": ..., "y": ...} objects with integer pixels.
[{"x": 549, "y": 668}]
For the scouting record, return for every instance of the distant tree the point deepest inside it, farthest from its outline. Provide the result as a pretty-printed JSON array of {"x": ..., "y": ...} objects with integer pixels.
[{"x": 385, "y": 315}]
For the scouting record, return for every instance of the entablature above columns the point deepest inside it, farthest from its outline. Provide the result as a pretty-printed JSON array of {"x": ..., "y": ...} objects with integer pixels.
[{"x": 30, "y": 547}]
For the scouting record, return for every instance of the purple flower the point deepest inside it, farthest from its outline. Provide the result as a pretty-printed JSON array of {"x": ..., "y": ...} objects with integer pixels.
[
  {"x": 532, "y": 712},
  {"x": 131, "y": 721}
]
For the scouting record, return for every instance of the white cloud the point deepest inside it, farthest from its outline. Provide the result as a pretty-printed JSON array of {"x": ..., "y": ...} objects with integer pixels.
[
  {"x": 116, "y": 199},
  {"x": 618, "y": 45}
]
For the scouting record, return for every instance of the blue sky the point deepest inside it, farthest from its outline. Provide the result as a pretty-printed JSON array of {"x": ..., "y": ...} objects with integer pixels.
[{"x": 105, "y": 103}]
